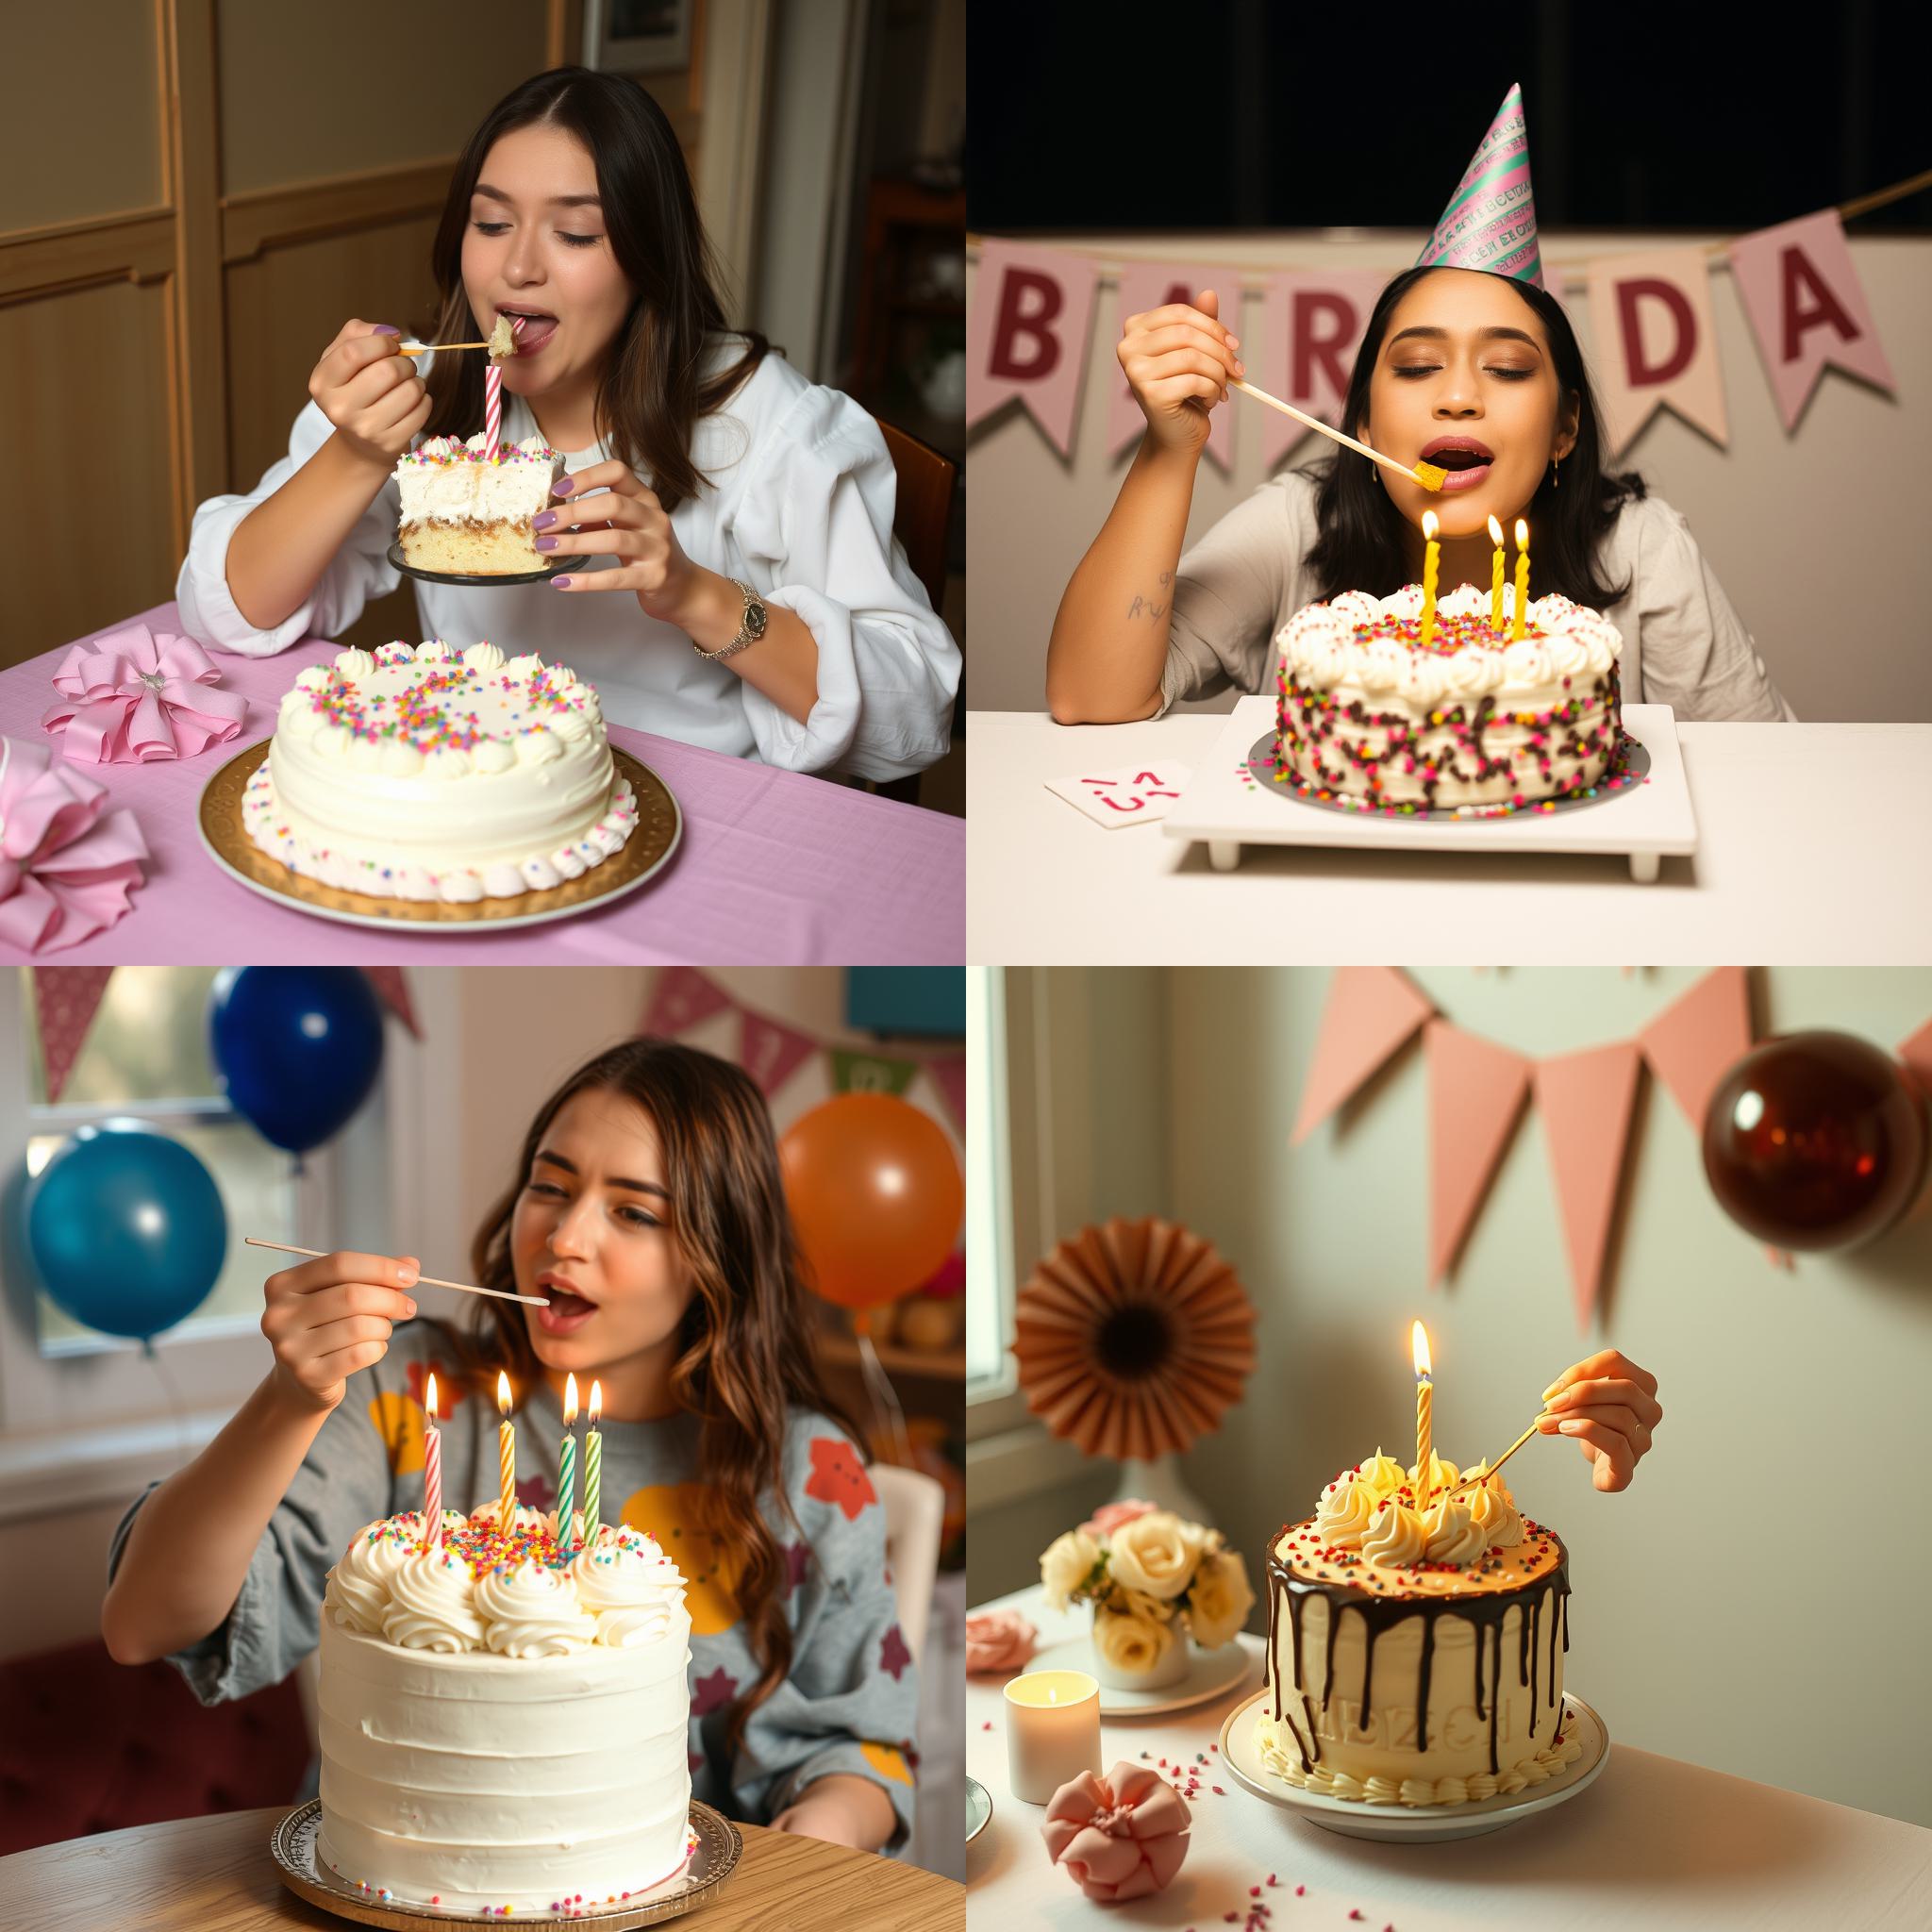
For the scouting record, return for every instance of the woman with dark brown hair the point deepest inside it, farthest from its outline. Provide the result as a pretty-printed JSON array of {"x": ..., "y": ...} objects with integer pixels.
[
  {"x": 647, "y": 1208},
  {"x": 745, "y": 512}
]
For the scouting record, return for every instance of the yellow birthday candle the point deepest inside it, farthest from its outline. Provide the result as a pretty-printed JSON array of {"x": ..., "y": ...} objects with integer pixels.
[
  {"x": 1522, "y": 580},
  {"x": 1432, "y": 562},
  {"x": 1496, "y": 576}
]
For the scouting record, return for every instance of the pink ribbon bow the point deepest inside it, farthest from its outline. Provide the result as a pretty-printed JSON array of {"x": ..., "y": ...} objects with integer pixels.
[
  {"x": 133, "y": 696},
  {"x": 999, "y": 1640},
  {"x": 65, "y": 870},
  {"x": 1120, "y": 1836}
]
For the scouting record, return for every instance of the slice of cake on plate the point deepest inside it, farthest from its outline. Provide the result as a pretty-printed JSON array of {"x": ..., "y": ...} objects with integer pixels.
[{"x": 465, "y": 514}]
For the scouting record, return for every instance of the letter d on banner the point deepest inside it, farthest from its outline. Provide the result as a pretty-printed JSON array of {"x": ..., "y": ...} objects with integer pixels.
[{"x": 1028, "y": 316}]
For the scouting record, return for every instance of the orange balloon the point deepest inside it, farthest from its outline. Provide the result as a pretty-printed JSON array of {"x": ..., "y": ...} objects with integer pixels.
[{"x": 876, "y": 1195}]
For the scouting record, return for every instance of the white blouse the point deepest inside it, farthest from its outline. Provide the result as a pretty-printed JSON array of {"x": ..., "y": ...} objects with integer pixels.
[{"x": 798, "y": 503}]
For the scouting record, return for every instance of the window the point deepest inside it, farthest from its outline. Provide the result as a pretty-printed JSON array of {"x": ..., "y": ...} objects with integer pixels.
[{"x": 989, "y": 1203}]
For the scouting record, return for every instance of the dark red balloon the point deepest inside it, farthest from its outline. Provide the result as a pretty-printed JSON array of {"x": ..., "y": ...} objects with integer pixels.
[{"x": 1815, "y": 1140}]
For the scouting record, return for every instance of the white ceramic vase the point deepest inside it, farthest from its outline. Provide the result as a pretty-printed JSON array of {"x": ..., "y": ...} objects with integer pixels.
[{"x": 1173, "y": 1666}]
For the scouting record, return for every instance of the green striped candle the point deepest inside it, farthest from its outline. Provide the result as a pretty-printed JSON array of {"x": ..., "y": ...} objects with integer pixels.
[
  {"x": 567, "y": 1476},
  {"x": 593, "y": 1466}
]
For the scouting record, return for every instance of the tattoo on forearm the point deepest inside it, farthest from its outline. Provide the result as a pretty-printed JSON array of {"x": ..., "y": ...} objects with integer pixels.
[{"x": 1143, "y": 607}]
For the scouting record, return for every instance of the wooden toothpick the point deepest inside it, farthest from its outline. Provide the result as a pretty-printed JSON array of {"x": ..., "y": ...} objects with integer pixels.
[
  {"x": 1428, "y": 474},
  {"x": 1495, "y": 1466},
  {"x": 502, "y": 1294}
]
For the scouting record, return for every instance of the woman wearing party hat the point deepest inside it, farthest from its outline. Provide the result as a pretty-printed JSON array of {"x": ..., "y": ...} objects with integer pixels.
[{"x": 1466, "y": 348}]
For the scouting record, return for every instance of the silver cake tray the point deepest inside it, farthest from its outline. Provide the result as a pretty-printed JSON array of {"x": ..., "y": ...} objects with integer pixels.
[
  {"x": 293, "y": 1843},
  {"x": 551, "y": 568},
  {"x": 1414, "y": 1824}
]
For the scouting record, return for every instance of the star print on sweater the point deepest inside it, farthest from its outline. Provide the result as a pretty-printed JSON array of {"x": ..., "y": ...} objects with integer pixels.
[{"x": 837, "y": 1476}]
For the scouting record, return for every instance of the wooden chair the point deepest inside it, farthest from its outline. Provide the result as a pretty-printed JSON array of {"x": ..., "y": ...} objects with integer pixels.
[
  {"x": 915, "y": 1507},
  {"x": 922, "y": 521}
]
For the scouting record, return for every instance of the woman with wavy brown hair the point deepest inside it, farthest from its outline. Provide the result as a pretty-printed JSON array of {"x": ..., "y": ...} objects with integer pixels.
[
  {"x": 648, "y": 1213},
  {"x": 742, "y": 587}
]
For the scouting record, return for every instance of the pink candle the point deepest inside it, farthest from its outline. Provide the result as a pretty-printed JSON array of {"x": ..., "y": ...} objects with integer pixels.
[
  {"x": 432, "y": 1472},
  {"x": 493, "y": 399}
]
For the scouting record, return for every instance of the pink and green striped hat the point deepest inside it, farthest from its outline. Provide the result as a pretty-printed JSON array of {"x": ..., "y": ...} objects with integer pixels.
[{"x": 1490, "y": 221}]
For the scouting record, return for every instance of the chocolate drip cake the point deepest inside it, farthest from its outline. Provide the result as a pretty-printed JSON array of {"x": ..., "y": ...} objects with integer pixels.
[{"x": 1415, "y": 1656}]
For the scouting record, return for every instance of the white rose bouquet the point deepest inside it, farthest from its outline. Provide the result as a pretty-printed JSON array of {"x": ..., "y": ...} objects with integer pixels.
[{"x": 1152, "y": 1578}]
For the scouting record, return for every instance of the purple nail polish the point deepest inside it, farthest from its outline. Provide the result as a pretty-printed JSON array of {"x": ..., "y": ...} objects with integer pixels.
[
  {"x": 546, "y": 542},
  {"x": 383, "y": 328},
  {"x": 560, "y": 583},
  {"x": 563, "y": 486},
  {"x": 543, "y": 519}
]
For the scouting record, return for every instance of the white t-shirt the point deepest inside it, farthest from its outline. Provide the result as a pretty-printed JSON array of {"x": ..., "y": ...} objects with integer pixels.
[
  {"x": 1684, "y": 645},
  {"x": 798, "y": 503}
]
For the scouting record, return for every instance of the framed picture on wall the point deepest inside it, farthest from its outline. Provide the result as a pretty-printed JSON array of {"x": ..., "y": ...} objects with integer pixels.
[{"x": 639, "y": 36}]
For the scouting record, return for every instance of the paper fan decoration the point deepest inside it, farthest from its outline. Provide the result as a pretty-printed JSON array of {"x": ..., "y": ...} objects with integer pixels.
[{"x": 1133, "y": 1339}]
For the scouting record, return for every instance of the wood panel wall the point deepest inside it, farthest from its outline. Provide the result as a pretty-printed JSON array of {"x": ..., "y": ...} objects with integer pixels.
[{"x": 252, "y": 176}]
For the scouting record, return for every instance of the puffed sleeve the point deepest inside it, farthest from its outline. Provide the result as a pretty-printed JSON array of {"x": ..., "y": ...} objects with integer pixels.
[
  {"x": 343, "y": 1484},
  {"x": 1696, "y": 652},
  {"x": 850, "y": 1700},
  {"x": 1228, "y": 591},
  {"x": 359, "y": 571},
  {"x": 814, "y": 526}
]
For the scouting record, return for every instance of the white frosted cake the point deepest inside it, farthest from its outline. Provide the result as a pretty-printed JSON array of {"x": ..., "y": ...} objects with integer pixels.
[
  {"x": 504, "y": 1725},
  {"x": 422, "y": 773},
  {"x": 1371, "y": 718},
  {"x": 465, "y": 514},
  {"x": 1413, "y": 1657}
]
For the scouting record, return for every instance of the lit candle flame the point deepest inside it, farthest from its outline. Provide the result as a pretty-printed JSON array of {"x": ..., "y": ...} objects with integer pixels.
[
  {"x": 1418, "y": 1347},
  {"x": 430, "y": 1405},
  {"x": 1521, "y": 534},
  {"x": 503, "y": 1392},
  {"x": 1052, "y": 1695},
  {"x": 570, "y": 1402},
  {"x": 1429, "y": 524},
  {"x": 1496, "y": 531},
  {"x": 596, "y": 1403}
]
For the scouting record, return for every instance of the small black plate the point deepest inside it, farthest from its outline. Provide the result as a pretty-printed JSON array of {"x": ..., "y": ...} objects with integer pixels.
[{"x": 553, "y": 568}]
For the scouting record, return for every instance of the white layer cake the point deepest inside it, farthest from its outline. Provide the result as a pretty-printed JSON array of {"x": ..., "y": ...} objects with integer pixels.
[
  {"x": 466, "y": 514},
  {"x": 503, "y": 1724},
  {"x": 422, "y": 773},
  {"x": 1370, "y": 717}
]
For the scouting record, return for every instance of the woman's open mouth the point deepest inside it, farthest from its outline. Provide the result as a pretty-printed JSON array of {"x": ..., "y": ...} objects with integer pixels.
[
  {"x": 568, "y": 1311},
  {"x": 1466, "y": 467},
  {"x": 537, "y": 330}
]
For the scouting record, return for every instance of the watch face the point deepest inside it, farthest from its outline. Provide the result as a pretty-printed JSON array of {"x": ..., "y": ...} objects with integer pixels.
[{"x": 755, "y": 618}]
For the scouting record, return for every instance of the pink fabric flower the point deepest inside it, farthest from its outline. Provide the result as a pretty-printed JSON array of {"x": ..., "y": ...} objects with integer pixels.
[
  {"x": 999, "y": 1640},
  {"x": 1111, "y": 1516},
  {"x": 132, "y": 696},
  {"x": 1120, "y": 1836},
  {"x": 65, "y": 870}
]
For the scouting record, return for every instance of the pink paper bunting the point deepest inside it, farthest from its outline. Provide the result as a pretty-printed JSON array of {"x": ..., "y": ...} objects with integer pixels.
[
  {"x": 1145, "y": 284},
  {"x": 1370, "y": 1011},
  {"x": 681, "y": 997},
  {"x": 66, "y": 867},
  {"x": 1312, "y": 322},
  {"x": 132, "y": 697},
  {"x": 392, "y": 989},
  {"x": 1916, "y": 1052},
  {"x": 1476, "y": 1092},
  {"x": 771, "y": 1052},
  {"x": 1651, "y": 317},
  {"x": 1698, "y": 1037},
  {"x": 1807, "y": 307},
  {"x": 949, "y": 1075},
  {"x": 1027, "y": 325},
  {"x": 65, "y": 998},
  {"x": 1587, "y": 1101}
]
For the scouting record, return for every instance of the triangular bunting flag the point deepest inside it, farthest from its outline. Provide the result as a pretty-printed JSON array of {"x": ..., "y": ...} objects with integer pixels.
[
  {"x": 1476, "y": 1091},
  {"x": 392, "y": 989},
  {"x": 1148, "y": 285},
  {"x": 1698, "y": 1037},
  {"x": 870, "y": 1072},
  {"x": 1370, "y": 1011},
  {"x": 1917, "y": 1055},
  {"x": 681, "y": 997},
  {"x": 949, "y": 1075},
  {"x": 771, "y": 1052},
  {"x": 1586, "y": 1100},
  {"x": 1027, "y": 323},
  {"x": 65, "y": 1000}
]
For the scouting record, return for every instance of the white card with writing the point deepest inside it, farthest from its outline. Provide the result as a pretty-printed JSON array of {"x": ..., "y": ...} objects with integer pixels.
[{"x": 1133, "y": 795}]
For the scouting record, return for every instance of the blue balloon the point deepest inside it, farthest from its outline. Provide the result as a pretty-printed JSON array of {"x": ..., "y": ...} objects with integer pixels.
[
  {"x": 297, "y": 1048},
  {"x": 126, "y": 1228}
]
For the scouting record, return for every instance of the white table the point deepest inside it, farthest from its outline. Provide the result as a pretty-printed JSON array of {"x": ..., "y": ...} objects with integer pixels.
[
  {"x": 1815, "y": 841},
  {"x": 1654, "y": 1842}
]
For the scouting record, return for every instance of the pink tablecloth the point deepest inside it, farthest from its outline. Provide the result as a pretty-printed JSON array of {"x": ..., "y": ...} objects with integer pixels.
[{"x": 773, "y": 868}]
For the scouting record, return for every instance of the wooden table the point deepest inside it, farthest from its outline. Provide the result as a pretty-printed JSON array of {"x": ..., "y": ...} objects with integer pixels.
[{"x": 216, "y": 1874}]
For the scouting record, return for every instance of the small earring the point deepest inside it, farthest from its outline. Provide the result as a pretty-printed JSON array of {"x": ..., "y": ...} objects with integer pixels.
[{"x": 1556, "y": 478}]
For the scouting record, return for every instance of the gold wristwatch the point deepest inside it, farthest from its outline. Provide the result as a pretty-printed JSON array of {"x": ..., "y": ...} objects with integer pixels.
[{"x": 749, "y": 631}]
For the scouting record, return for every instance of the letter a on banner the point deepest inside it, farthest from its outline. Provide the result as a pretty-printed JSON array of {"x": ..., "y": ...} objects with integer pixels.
[
  {"x": 1029, "y": 318},
  {"x": 1145, "y": 284},
  {"x": 1650, "y": 316},
  {"x": 1807, "y": 307}
]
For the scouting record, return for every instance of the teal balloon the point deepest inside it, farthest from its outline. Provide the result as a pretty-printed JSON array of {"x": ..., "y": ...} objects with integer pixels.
[{"x": 126, "y": 1229}]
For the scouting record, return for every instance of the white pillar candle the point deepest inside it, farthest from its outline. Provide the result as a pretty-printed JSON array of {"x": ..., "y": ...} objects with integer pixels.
[{"x": 1053, "y": 1732}]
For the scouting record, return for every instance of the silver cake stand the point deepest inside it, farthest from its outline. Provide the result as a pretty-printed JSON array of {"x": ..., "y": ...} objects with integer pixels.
[
  {"x": 293, "y": 1843},
  {"x": 1414, "y": 1824}
]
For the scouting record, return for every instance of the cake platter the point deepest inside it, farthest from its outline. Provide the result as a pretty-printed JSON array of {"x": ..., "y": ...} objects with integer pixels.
[
  {"x": 978, "y": 1808},
  {"x": 1211, "y": 1674},
  {"x": 644, "y": 855},
  {"x": 720, "y": 1844},
  {"x": 465, "y": 580},
  {"x": 1223, "y": 808},
  {"x": 1415, "y": 1823}
]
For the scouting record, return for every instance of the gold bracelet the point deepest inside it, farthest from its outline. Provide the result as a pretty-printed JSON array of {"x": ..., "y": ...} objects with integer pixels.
[{"x": 750, "y": 629}]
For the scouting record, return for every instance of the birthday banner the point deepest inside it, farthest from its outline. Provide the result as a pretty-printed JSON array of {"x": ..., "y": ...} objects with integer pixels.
[
  {"x": 1480, "y": 1091},
  {"x": 1653, "y": 338}
]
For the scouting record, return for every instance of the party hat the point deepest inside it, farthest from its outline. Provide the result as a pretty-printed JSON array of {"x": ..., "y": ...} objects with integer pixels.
[{"x": 1490, "y": 221}]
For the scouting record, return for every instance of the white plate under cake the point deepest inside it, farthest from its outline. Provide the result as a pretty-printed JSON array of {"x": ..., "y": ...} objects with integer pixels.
[{"x": 424, "y": 773}]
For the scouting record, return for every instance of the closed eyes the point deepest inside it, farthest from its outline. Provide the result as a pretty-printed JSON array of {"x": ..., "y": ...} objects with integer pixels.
[
  {"x": 562, "y": 234},
  {"x": 1431, "y": 368}
]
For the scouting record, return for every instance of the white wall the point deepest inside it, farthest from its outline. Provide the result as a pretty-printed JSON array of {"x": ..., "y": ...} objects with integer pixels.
[
  {"x": 1724, "y": 1607},
  {"x": 1816, "y": 536}
]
